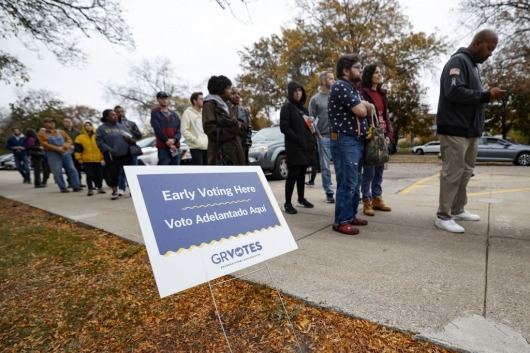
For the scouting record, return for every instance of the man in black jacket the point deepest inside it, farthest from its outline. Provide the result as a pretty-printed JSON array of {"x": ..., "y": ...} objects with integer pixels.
[{"x": 460, "y": 122}]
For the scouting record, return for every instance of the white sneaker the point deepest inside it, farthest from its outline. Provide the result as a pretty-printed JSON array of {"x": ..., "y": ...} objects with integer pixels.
[
  {"x": 449, "y": 225},
  {"x": 121, "y": 192},
  {"x": 466, "y": 216}
]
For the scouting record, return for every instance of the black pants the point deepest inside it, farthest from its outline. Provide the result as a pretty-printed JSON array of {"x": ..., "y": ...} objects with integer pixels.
[
  {"x": 94, "y": 175},
  {"x": 296, "y": 175},
  {"x": 46, "y": 171},
  {"x": 113, "y": 164},
  {"x": 36, "y": 162},
  {"x": 199, "y": 157}
]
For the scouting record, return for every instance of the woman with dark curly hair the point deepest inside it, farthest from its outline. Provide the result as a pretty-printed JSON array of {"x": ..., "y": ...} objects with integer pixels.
[
  {"x": 216, "y": 114},
  {"x": 113, "y": 140},
  {"x": 372, "y": 178}
]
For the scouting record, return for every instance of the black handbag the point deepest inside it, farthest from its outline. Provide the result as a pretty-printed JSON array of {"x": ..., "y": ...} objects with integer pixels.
[
  {"x": 221, "y": 158},
  {"x": 36, "y": 152},
  {"x": 135, "y": 150},
  {"x": 375, "y": 148}
]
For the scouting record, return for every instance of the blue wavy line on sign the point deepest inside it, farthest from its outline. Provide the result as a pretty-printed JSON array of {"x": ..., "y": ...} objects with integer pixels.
[
  {"x": 215, "y": 204},
  {"x": 202, "y": 245}
]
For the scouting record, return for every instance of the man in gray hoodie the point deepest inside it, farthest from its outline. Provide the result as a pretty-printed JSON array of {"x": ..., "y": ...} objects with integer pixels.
[{"x": 460, "y": 122}]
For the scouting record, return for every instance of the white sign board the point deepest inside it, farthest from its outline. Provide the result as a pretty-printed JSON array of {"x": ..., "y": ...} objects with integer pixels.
[{"x": 203, "y": 222}]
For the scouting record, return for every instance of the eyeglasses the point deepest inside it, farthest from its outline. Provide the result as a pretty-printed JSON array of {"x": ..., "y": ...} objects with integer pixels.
[{"x": 358, "y": 67}]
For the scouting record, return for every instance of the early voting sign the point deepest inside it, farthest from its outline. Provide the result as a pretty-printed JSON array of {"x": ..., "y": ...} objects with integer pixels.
[{"x": 203, "y": 222}]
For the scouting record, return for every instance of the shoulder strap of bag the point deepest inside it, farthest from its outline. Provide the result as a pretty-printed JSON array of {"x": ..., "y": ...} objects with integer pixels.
[
  {"x": 373, "y": 116},
  {"x": 220, "y": 148}
]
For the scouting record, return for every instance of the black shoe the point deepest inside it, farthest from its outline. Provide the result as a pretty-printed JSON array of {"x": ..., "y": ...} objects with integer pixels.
[
  {"x": 330, "y": 199},
  {"x": 77, "y": 189},
  {"x": 305, "y": 203},
  {"x": 39, "y": 186},
  {"x": 82, "y": 186},
  {"x": 289, "y": 208},
  {"x": 90, "y": 192},
  {"x": 114, "y": 196},
  {"x": 65, "y": 190}
]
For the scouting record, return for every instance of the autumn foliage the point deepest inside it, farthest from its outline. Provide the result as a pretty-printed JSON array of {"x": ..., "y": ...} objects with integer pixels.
[{"x": 68, "y": 288}]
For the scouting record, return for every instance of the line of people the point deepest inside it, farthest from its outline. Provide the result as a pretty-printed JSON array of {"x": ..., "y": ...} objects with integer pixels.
[
  {"x": 101, "y": 153},
  {"x": 318, "y": 128},
  {"x": 356, "y": 94},
  {"x": 335, "y": 125}
]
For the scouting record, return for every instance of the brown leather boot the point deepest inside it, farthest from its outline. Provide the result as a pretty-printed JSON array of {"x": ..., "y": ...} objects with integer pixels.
[
  {"x": 367, "y": 207},
  {"x": 378, "y": 204}
]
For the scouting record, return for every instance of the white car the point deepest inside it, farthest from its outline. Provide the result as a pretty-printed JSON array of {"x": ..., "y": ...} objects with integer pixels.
[
  {"x": 150, "y": 156},
  {"x": 431, "y": 147}
]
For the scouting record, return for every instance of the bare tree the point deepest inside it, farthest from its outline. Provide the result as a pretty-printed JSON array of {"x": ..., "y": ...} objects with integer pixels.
[
  {"x": 509, "y": 18},
  {"x": 228, "y": 5},
  {"x": 144, "y": 81},
  {"x": 58, "y": 25}
]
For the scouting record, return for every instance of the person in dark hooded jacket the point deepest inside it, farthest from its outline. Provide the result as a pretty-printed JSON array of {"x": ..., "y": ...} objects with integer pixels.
[{"x": 300, "y": 144}]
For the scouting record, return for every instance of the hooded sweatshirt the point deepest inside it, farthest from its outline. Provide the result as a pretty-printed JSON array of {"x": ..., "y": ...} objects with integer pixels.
[
  {"x": 86, "y": 148},
  {"x": 462, "y": 103},
  {"x": 111, "y": 138}
]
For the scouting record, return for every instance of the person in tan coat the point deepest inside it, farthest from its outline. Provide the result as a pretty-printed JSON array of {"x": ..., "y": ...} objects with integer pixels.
[{"x": 215, "y": 114}]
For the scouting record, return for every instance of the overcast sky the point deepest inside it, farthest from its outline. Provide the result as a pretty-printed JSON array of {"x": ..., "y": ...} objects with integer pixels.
[{"x": 198, "y": 37}]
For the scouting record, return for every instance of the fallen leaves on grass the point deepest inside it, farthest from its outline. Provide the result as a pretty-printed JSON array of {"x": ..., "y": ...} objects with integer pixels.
[{"x": 68, "y": 288}]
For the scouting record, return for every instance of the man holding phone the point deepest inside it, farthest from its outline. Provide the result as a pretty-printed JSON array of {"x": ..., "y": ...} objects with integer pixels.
[{"x": 460, "y": 122}]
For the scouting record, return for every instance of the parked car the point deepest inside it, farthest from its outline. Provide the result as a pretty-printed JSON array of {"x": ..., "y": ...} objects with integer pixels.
[
  {"x": 268, "y": 151},
  {"x": 150, "y": 152},
  {"x": 7, "y": 161},
  {"x": 431, "y": 147},
  {"x": 493, "y": 149}
]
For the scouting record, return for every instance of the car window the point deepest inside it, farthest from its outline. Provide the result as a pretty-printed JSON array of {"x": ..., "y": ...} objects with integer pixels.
[
  {"x": 268, "y": 134},
  {"x": 496, "y": 142},
  {"x": 146, "y": 142}
]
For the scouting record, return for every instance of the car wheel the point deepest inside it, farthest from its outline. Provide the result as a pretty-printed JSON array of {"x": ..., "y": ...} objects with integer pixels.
[
  {"x": 280, "y": 168},
  {"x": 523, "y": 159},
  {"x": 419, "y": 151}
]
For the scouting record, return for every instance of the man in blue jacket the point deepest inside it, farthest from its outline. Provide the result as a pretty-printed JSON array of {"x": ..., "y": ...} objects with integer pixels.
[
  {"x": 166, "y": 125},
  {"x": 460, "y": 122},
  {"x": 16, "y": 144}
]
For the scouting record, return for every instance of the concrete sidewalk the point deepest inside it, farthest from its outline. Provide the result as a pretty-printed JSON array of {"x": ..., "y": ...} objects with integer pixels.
[{"x": 468, "y": 291}]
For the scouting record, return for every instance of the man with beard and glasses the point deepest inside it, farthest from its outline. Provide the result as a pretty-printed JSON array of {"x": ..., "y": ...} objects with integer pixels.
[{"x": 348, "y": 127}]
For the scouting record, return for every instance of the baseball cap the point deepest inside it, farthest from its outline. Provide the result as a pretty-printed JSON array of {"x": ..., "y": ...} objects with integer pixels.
[{"x": 161, "y": 94}]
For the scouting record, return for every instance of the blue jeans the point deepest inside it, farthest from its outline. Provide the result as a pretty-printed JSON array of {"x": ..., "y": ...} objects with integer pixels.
[
  {"x": 57, "y": 162},
  {"x": 122, "y": 182},
  {"x": 324, "y": 154},
  {"x": 22, "y": 165},
  {"x": 347, "y": 152},
  {"x": 371, "y": 181},
  {"x": 165, "y": 158}
]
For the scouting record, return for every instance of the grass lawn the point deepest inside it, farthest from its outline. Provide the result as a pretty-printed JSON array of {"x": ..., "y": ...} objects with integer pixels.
[{"x": 66, "y": 288}]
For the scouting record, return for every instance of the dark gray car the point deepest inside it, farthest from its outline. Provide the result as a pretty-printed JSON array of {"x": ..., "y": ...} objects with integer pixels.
[
  {"x": 493, "y": 149},
  {"x": 268, "y": 151}
]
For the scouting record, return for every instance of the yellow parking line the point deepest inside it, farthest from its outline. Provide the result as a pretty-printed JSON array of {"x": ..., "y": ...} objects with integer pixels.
[
  {"x": 498, "y": 192},
  {"x": 418, "y": 184}
]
